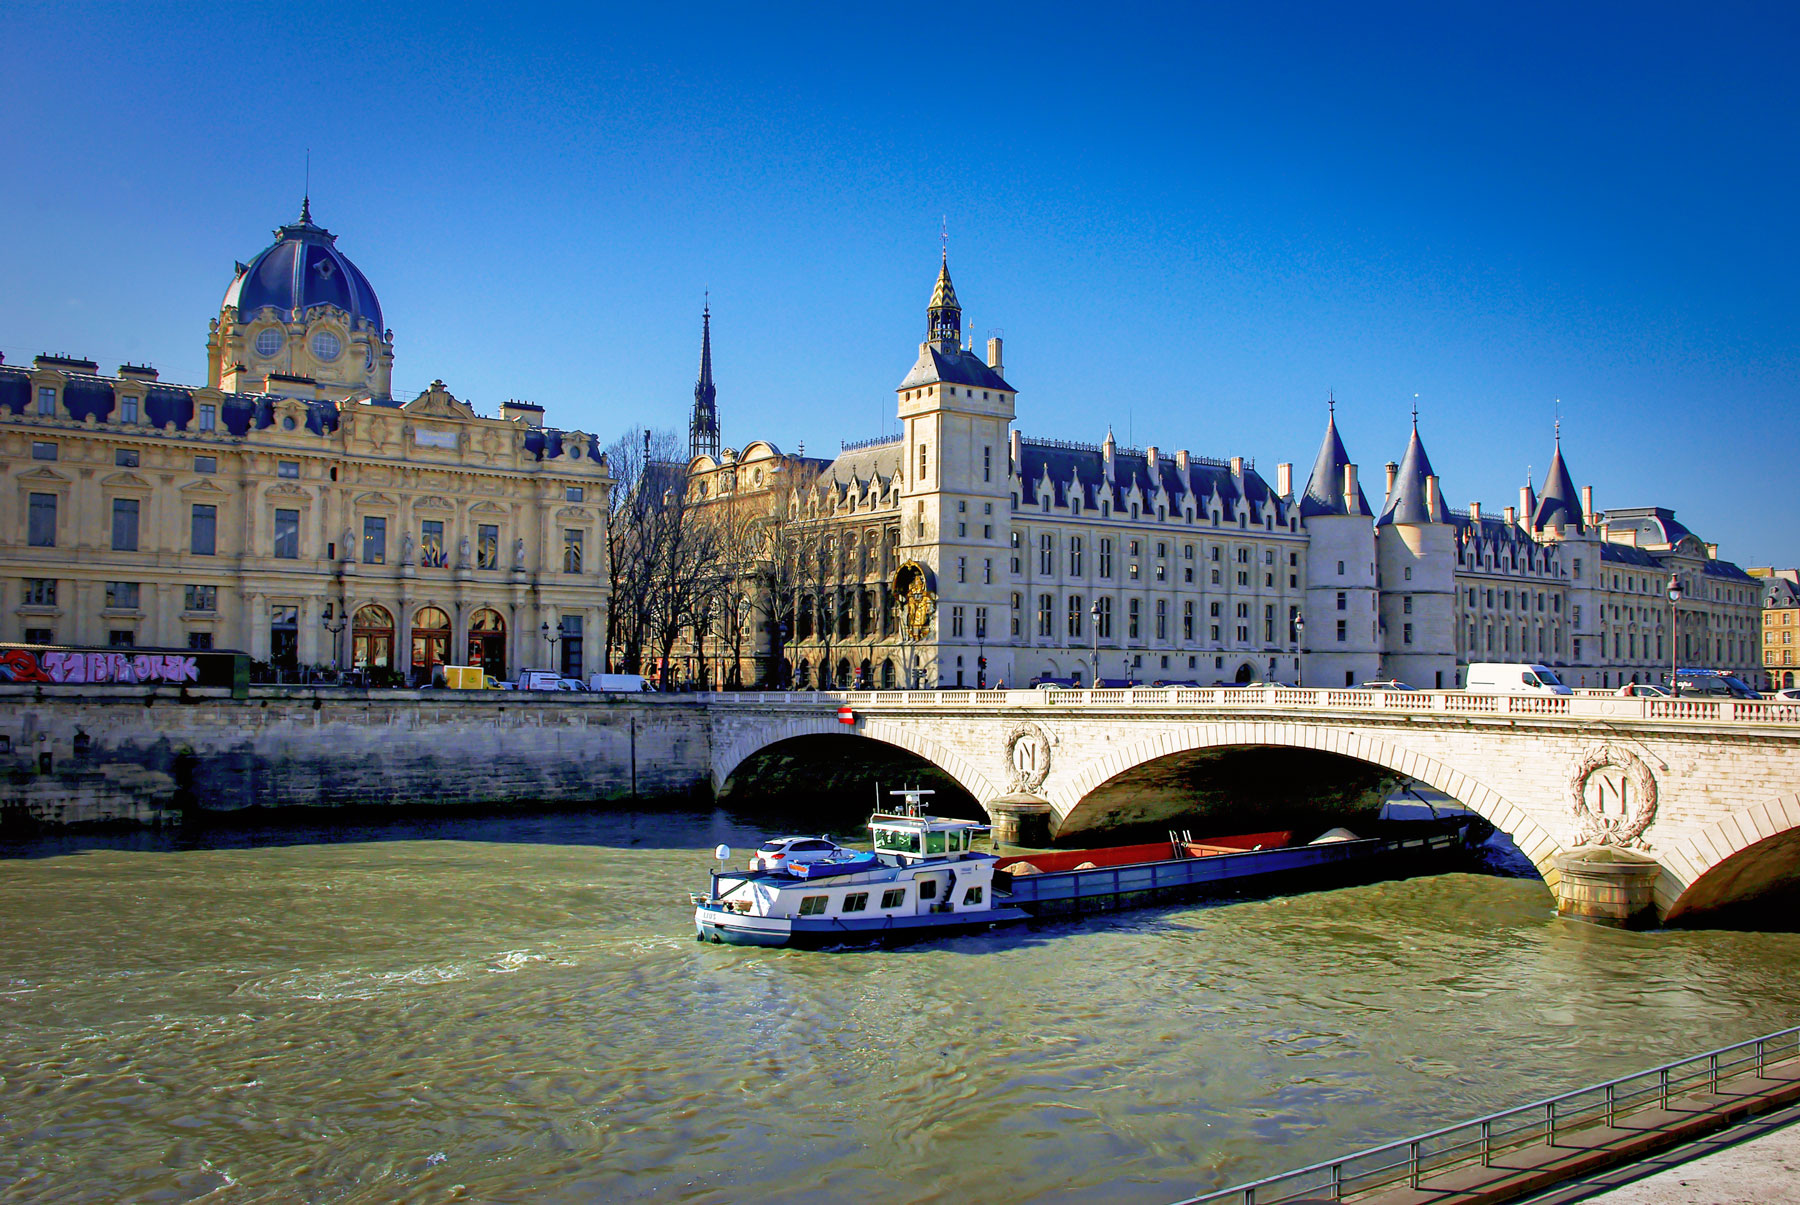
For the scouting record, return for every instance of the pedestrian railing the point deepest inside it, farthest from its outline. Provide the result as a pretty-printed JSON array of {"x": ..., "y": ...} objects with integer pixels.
[
  {"x": 1393, "y": 702},
  {"x": 1407, "y": 1163}
]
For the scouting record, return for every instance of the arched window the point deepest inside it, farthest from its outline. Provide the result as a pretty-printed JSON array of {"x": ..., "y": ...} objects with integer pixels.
[
  {"x": 430, "y": 642},
  {"x": 487, "y": 642},
  {"x": 372, "y": 638}
]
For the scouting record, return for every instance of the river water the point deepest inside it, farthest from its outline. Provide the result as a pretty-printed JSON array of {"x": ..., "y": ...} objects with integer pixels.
[{"x": 516, "y": 1010}]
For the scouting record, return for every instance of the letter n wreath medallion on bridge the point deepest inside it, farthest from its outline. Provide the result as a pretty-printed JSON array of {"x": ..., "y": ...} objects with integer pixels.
[
  {"x": 1612, "y": 798},
  {"x": 1027, "y": 758}
]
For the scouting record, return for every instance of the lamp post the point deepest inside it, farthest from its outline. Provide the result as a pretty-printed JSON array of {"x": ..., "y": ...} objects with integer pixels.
[
  {"x": 1674, "y": 624},
  {"x": 1299, "y": 647},
  {"x": 342, "y": 621},
  {"x": 1094, "y": 616},
  {"x": 550, "y": 638}
]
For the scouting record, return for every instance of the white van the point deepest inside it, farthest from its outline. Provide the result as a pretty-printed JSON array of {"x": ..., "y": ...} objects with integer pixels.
[
  {"x": 1500, "y": 678},
  {"x": 622, "y": 683}
]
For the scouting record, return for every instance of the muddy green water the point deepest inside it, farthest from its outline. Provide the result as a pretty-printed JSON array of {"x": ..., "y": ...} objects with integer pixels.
[{"x": 518, "y": 1012}]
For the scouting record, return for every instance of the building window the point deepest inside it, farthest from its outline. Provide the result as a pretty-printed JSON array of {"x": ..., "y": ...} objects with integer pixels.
[
  {"x": 125, "y": 458},
  {"x": 1343, "y": 633},
  {"x": 287, "y": 468},
  {"x": 374, "y": 549},
  {"x": 43, "y": 450},
  {"x": 1046, "y": 615},
  {"x": 1015, "y": 613},
  {"x": 287, "y": 535},
  {"x": 1075, "y": 617},
  {"x": 921, "y": 462},
  {"x": 981, "y": 622},
  {"x": 1406, "y": 631},
  {"x": 1074, "y": 556},
  {"x": 487, "y": 546},
  {"x": 1046, "y": 553},
  {"x": 121, "y": 596},
  {"x": 987, "y": 570},
  {"x": 431, "y": 543},
  {"x": 125, "y": 524},
  {"x": 41, "y": 524},
  {"x": 1106, "y": 558},
  {"x": 284, "y": 637},
  {"x": 572, "y": 537},
  {"x": 987, "y": 464},
  {"x": 1340, "y": 568},
  {"x": 203, "y": 528},
  {"x": 202, "y": 598},
  {"x": 200, "y": 641},
  {"x": 1406, "y": 603},
  {"x": 962, "y": 568},
  {"x": 39, "y": 592},
  {"x": 206, "y": 464},
  {"x": 1132, "y": 618},
  {"x": 1103, "y": 629},
  {"x": 121, "y": 638},
  {"x": 1343, "y": 601},
  {"x": 956, "y": 621},
  {"x": 46, "y": 402},
  {"x": 1187, "y": 620},
  {"x": 209, "y": 417},
  {"x": 573, "y": 493},
  {"x": 1162, "y": 619},
  {"x": 571, "y": 646}
]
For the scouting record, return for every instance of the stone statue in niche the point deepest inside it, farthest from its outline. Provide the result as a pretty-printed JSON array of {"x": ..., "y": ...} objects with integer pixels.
[
  {"x": 462, "y": 553},
  {"x": 519, "y": 553},
  {"x": 347, "y": 550},
  {"x": 406, "y": 549}
]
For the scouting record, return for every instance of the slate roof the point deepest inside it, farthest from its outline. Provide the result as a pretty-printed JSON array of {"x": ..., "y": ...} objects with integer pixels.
[
  {"x": 961, "y": 367},
  {"x": 1559, "y": 505},
  {"x": 856, "y": 467},
  {"x": 1654, "y": 525},
  {"x": 1407, "y": 504},
  {"x": 300, "y": 269},
  {"x": 1325, "y": 488},
  {"x": 1779, "y": 592},
  {"x": 1625, "y": 554},
  {"x": 1080, "y": 470}
]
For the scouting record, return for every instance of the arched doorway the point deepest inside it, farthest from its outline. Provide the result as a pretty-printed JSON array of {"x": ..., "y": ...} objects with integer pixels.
[
  {"x": 887, "y": 674},
  {"x": 372, "y": 639},
  {"x": 865, "y": 678},
  {"x": 487, "y": 642},
  {"x": 803, "y": 675},
  {"x": 1246, "y": 673},
  {"x": 843, "y": 674},
  {"x": 430, "y": 642}
]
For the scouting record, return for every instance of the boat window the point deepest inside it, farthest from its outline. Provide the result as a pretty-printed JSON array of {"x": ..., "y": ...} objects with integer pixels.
[
  {"x": 928, "y": 889},
  {"x": 934, "y": 842},
  {"x": 856, "y": 901},
  {"x": 972, "y": 896},
  {"x": 893, "y": 899},
  {"x": 899, "y": 840},
  {"x": 813, "y": 905}
]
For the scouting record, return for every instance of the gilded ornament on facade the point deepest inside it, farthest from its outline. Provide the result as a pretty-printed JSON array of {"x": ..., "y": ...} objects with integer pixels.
[
  {"x": 1612, "y": 798},
  {"x": 912, "y": 587},
  {"x": 1027, "y": 751}
]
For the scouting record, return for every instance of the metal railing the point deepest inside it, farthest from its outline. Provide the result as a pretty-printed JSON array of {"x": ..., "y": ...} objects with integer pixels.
[
  {"x": 1408, "y": 1162},
  {"x": 1454, "y": 703}
]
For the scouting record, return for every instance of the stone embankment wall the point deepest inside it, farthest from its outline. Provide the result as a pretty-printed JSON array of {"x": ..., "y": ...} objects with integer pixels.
[{"x": 145, "y": 756}]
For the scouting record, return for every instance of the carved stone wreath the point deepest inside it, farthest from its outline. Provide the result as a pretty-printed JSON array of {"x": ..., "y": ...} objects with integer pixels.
[
  {"x": 1624, "y": 829},
  {"x": 1027, "y": 752}
]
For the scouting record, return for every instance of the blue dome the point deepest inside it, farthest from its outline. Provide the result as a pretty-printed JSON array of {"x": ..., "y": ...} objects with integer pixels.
[{"x": 303, "y": 268}]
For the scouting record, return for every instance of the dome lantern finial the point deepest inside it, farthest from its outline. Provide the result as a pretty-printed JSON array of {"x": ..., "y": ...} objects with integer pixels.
[{"x": 943, "y": 318}]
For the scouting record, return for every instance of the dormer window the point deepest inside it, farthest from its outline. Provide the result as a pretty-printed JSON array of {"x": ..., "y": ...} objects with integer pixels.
[{"x": 128, "y": 410}]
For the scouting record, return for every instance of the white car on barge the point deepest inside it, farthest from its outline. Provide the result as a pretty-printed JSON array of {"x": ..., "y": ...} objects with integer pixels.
[{"x": 923, "y": 876}]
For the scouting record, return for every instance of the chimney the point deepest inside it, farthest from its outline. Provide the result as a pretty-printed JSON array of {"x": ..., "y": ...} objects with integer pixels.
[
  {"x": 1181, "y": 462},
  {"x": 1106, "y": 455},
  {"x": 1524, "y": 501},
  {"x": 1150, "y": 457},
  {"x": 528, "y": 412},
  {"x": 1237, "y": 466},
  {"x": 1512, "y": 516},
  {"x": 1587, "y": 502},
  {"x": 1017, "y": 456},
  {"x": 1284, "y": 480},
  {"x": 137, "y": 372},
  {"x": 994, "y": 354},
  {"x": 1431, "y": 498},
  {"x": 1393, "y": 471},
  {"x": 1475, "y": 513},
  {"x": 1349, "y": 487}
]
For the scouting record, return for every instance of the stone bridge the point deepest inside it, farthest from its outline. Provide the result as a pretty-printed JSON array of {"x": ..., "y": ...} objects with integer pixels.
[{"x": 1625, "y": 806}]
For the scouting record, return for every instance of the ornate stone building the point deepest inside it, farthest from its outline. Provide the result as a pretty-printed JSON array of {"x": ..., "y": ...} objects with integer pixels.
[
  {"x": 1023, "y": 558},
  {"x": 290, "y": 508},
  {"x": 1780, "y": 625}
]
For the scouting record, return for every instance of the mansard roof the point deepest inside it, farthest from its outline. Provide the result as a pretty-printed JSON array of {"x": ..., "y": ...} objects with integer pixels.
[
  {"x": 1779, "y": 592},
  {"x": 1407, "y": 504},
  {"x": 1655, "y": 525},
  {"x": 1084, "y": 467},
  {"x": 1325, "y": 488},
  {"x": 1560, "y": 505},
  {"x": 960, "y": 367},
  {"x": 1625, "y": 554},
  {"x": 88, "y": 395},
  {"x": 856, "y": 467}
]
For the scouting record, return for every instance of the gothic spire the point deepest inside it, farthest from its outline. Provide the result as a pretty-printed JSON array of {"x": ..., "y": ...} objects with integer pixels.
[
  {"x": 943, "y": 318},
  {"x": 703, "y": 426},
  {"x": 1324, "y": 493}
]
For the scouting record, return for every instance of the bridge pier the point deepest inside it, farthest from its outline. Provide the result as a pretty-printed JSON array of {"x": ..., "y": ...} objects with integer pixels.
[
  {"x": 1021, "y": 819},
  {"x": 1607, "y": 886}
]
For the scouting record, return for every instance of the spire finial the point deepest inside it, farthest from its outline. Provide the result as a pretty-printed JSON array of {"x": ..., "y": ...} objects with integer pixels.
[
  {"x": 944, "y": 237},
  {"x": 1559, "y": 422},
  {"x": 306, "y": 192},
  {"x": 1331, "y": 403},
  {"x": 1415, "y": 413}
]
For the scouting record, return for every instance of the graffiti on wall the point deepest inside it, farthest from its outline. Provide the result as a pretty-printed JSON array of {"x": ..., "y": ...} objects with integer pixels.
[{"x": 71, "y": 667}]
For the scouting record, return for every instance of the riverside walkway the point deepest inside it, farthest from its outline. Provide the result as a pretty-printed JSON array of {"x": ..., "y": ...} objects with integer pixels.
[{"x": 1510, "y": 1155}]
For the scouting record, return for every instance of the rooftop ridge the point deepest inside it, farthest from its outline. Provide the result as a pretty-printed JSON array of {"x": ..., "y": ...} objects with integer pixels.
[{"x": 856, "y": 445}]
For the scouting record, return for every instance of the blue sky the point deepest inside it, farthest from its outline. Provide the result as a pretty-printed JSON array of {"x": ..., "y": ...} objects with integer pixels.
[{"x": 1189, "y": 221}]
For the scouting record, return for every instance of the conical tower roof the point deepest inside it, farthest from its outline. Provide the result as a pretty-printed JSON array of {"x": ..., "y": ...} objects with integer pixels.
[
  {"x": 1560, "y": 505},
  {"x": 1325, "y": 488},
  {"x": 943, "y": 294},
  {"x": 1407, "y": 503}
]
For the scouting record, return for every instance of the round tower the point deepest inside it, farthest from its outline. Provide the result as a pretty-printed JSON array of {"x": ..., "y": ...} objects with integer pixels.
[
  {"x": 1416, "y": 550},
  {"x": 1341, "y": 645}
]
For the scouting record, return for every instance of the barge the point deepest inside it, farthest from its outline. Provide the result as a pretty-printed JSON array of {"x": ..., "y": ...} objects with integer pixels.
[{"x": 923, "y": 877}]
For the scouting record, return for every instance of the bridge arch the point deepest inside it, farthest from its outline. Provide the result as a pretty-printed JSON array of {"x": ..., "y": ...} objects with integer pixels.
[
  {"x": 903, "y": 736},
  {"x": 1361, "y": 744},
  {"x": 1732, "y": 860}
]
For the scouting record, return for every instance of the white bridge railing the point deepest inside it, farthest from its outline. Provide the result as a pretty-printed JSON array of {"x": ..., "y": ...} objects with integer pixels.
[{"x": 1264, "y": 698}]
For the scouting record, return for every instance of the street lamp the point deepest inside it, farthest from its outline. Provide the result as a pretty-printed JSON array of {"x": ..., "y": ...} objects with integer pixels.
[
  {"x": 550, "y": 638},
  {"x": 1094, "y": 614},
  {"x": 342, "y": 621},
  {"x": 1299, "y": 647},
  {"x": 1674, "y": 623}
]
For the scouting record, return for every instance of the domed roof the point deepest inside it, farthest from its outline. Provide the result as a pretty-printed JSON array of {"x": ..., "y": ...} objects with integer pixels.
[{"x": 303, "y": 268}]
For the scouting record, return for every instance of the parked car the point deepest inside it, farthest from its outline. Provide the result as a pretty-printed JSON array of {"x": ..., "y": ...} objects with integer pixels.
[
  {"x": 1390, "y": 684},
  {"x": 787, "y": 851},
  {"x": 1642, "y": 690},
  {"x": 1712, "y": 684},
  {"x": 618, "y": 683},
  {"x": 538, "y": 679},
  {"x": 571, "y": 684},
  {"x": 1789, "y": 695},
  {"x": 1514, "y": 678}
]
